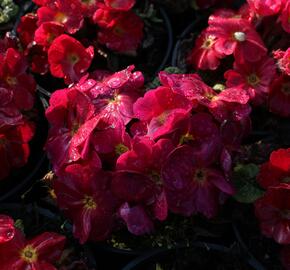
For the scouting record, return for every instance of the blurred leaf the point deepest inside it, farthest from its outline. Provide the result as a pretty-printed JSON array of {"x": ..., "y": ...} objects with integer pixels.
[
  {"x": 244, "y": 178},
  {"x": 19, "y": 224}
]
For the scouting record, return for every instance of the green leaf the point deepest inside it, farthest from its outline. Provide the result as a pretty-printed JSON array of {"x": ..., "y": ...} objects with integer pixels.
[
  {"x": 248, "y": 193},
  {"x": 244, "y": 178},
  {"x": 19, "y": 224}
]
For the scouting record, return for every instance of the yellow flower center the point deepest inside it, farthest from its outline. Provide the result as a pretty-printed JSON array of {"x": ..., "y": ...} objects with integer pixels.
[
  {"x": 12, "y": 81},
  {"x": 60, "y": 17},
  {"x": 88, "y": 2},
  {"x": 210, "y": 96},
  {"x": 162, "y": 118},
  {"x": 199, "y": 176},
  {"x": 186, "y": 138},
  {"x": 253, "y": 79},
  {"x": 73, "y": 58},
  {"x": 29, "y": 254},
  {"x": 116, "y": 99},
  {"x": 74, "y": 129},
  {"x": 89, "y": 203},
  {"x": 121, "y": 148},
  {"x": 208, "y": 43}
]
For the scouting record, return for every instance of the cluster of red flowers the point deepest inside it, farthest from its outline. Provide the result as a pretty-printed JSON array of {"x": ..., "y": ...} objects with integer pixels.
[
  {"x": 17, "y": 89},
  {"x": 18, "y": 253},
  {"x": 49, "y": 36},
  {"x": 273, "y": 209},
  {"x": 234, "y": 33},
  {"x": 121, "y": 156}
]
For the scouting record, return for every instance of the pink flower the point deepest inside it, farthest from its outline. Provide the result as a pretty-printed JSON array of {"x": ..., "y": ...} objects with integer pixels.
[
  {"x": 37, "y": 56},
  {"x": 276, "y": 170},
  {"x": 279, "y": 97},
  {"x": 265, "y": 8},
  {"x": 123, "y": 5},
  {"x": 202, "y": 134},
  {"x": 68, "y": 58},
  {"x": 238, "y": 36},
  {"x": 66, "y": 12},
  {"x": 161, "y": 109},
  {"x": 283, "y": 59},
  {"x": 138, "y": 180},
  {"x": 9, "y": 113},
  {"x": 106, "y": 17},
  {"x": 39, "y": 253},
  {"x": 114, "y": 96},
  {"x": 285, "y": 14},
  {"x": 13, "y": 76},
  {"x": 26, "y": 28},
  {"x": 72, "y": 119},
  {"x": 230, "y": 104},
  {"x": 47, "y": 32},
  {"x": 233, "y": 132},
  {"x": 125, "y": 35},
  {"x": 7, "y": 230},
  {"x": 255, "y": 77},
  {"x": 14, "y": 148},
  {"x": 247, "y": 13},
  {"x": 82, "y": 192},
  {"x": 137, "y": 220},
  {"x": 43, "y": 2},
  {"x": 89, "y": 7},
  {"x": 204, "y": 56},
  {"x": 191, "y": 185},
  {"x": 117, "y": 141},
  {"x": 272, "y": 211}
]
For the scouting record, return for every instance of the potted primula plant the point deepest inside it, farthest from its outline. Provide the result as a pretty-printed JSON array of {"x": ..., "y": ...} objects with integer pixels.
[{"x": 128, "y": 156}]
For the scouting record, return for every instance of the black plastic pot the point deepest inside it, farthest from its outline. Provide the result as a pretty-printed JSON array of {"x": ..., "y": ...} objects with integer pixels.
[
  {"x": 168, "y": 26},
  {"x": 216, "y": 256},
  {"x": 187, "y": 37},
  {"x": 115, "y": 257},
  {"x": 21, "y": 179},
  {"x": 112, "y": 258}
]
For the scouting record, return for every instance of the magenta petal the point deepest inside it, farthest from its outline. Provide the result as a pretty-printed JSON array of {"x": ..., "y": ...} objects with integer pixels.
[
  {"x": 216, "y": 178},
  {"x": 281, "y": 233},
  {"x": 177, "y": 171},
  {"x": 132, "y": 186},
  {"x": 136, "y": 219},
  {"x": 160, "y": 207},
  {"x": 206, "y": 201},
  {"x": 226, "y": 160},
  {"x": 7, "y": 230},
  {"x": 82, "y": 225}
]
